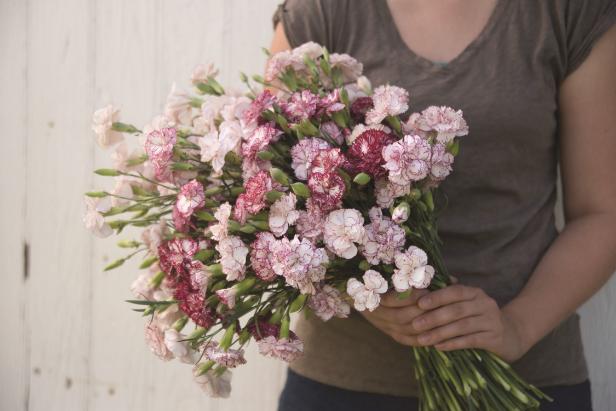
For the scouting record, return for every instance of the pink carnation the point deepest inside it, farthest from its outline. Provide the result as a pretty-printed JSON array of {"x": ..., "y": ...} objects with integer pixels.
[
  {"x": 159, "y": 148},
  {"x": 326, "y": 190},
  {"x": 384, "y": 239},
  {"x": 330, "y": 103},
  {"x": 177, "y": 344},
  {"x": 299, "y": 262},
  {"x": 229, "y": 358},
  {"x": 388, "y": 101},
  {"x": 310, "y": 223},
  {"x": 264, "y": 101},
  {"x": 327, "y": 303},
  {"x": 303, "y": 153},
  {"x": 331, "y": 130},
  {"x": 260, "y": 251},
  {"x": 215, "y": 384},
  {"x": 283, "y": 214},
  {"x": 252, "y": 200},
  {"x": 155, "y": 338},
  {"x": 153, "y": 234},
  {"x": 220, "y": 229},
  {"x": 233, "y": 254},
  {"x": 385, "y": 192},
  {"x": 259, "y": 140},
  {"x": 407, "y": 160},
  {"x": 301, "y": 106},
  {"x": 327, "y": 161},
  {"x": 365, "y": 154},
  {"x": 412, "y": 270},
  {"x": 447, "y": 122},
  {"x": 344, "y": 228},
  {"x": 366, "y": 295},
  {"x": 351, "y": 69},
  {"x": 440, "y": 162},
  {"x": 191, "y": 198},
  {"x": 199, "y": 275},
  {"x": 227, "y": 296},
  {"x": 286, "y": 349}
]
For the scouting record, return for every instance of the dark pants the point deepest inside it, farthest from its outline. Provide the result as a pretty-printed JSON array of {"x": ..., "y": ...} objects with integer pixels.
[{"x": 303, "y": 394}]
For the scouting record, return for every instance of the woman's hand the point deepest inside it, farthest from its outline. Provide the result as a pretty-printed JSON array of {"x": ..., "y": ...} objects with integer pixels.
[{"x": 453, "y": 318}]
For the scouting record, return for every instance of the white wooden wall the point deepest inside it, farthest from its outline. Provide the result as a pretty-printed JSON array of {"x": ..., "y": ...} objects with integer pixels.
[{"x": 68, "y": 340}]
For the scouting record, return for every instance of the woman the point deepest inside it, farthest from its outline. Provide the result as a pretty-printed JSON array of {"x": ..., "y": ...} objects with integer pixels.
[{"x": 536, "y": 81}]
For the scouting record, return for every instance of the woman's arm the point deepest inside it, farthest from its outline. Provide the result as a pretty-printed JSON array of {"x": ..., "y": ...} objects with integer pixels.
[{"x": 576, "y": 265}]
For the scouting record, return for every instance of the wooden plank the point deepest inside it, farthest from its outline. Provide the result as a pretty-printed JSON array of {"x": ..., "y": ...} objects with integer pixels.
[
  {"x": 14, "y": 374},
  {"x": 59, "y": 170}
]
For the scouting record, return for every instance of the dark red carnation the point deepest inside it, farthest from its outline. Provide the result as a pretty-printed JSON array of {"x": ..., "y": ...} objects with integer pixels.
[
  {"x": 326, "y": 190},
  {"x": 360, "y": 107},
  {"x": 365, "y": 156}
]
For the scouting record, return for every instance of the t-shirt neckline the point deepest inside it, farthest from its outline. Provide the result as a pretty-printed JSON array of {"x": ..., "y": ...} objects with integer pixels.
[{"x": 424, "y": 62}]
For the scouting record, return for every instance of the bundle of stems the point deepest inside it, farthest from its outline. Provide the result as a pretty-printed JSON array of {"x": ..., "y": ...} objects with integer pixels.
[{"x": 469, "y": 379}]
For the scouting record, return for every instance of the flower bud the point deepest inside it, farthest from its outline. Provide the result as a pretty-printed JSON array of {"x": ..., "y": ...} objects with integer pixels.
[
  {"x": 179, "y": 324},
  {"x": 300, "y": 189},
  {"x": 280, "y": 176},
  {"x": 428, "y": 200},
  {"x": 362, "y": 179},
  {"x": 265, "y": 155},
  {"x": 128, "y": 244},
  {"x": 124, "y": 128},
  {"x": 273, "y": 195},
  {"x": 157, "y": 279},
  {"x": 298, "y": 303},
  {"x": 107, "y": 172},
  {"x": 97, "y": 194},
  {"x": 364, "y": 265},
  {"x": 401, "y": 212},
  {"x": 227, "y": 338},
  {"x": 148, "y": 262},
  {"x": 115, "y": 264}
]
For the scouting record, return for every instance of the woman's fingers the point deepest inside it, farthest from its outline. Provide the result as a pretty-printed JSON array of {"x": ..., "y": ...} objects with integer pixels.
[
  {"x": 391, "y": 299},
  {"x": 447, "y": 314},
  {"x": 448, "y": 295},
  {"x": 459, "y": 328},
  {"x": 395, "y": 318},
  {"x": 475, "y": 340}
]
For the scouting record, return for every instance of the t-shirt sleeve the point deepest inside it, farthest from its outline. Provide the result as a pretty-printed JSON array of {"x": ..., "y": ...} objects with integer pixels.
[
  {"x": 585, "y": 22},
  {"x": 305, "y": 20}
]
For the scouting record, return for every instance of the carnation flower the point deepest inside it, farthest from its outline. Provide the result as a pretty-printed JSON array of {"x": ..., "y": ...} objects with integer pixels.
[
  {"x": 220, "y": 229},
  {"x": 176, "y": 344},
  {"x": 360, "y": 107},
  {"x": 159, "y": 148},
  {"x": 102, "y": 123},
  {"x": 264, "y": 101},
  {"x": 202, "y": 73},
  {"x": 344, "y": 228},
  {"x": 447, "y": 122},
  {"x": 327, "y": 161},
  {"x": 330, "y": 103},
  {"x": 303, "y": 153},
  {"x": 227, "y": 296},
  {"x": 331, "y": 130},
  {"x": 326, "y": 190},
  {"x": 175, "y": 253},
  {"x": 366, "y": 295},
  {"x": 388, "y": 101},
  {"x": 93, "y": 219},
  {"x": 301, "y": 105},
  {"x": 260, "y": 256},
  {"x": 351, "y": 69},
  {"x": 229, "y": 358},
  {"x": 259, "y": 140},
  {"x": 178, "y": 106},
  {"x": 360, "y": 129},
  {"x": 309, "y": 49},
  {"x": 215, "y": 145},
  {"x": 190, "y": 198},
  {"x": 384, "y": 239},
  {"x": 364, "y": 155},
  {"x": 233, "y": 254},
  {"x": 283, "y": 214},
  {"x": 286, "y": 349},
  {"x": 440, "y": 162},
  {"x": 412, "y": 270},
  {"x": 299, "y": 262},
  {"x": 142, "y": 287},
  {"x": 252, "y": 200},
  {"x": 215, "y": 384},
  {"x": 407, "y": 160},
  {"x": 327, "y": 303},
  {"x": 120, "y": 158},
  {"x": 385, "y": 192},
  {"x": 122, "y": 190},
  {"x": 401, "y": 213},
  {"x": 153, "y": 234},
  {"x": 155, "y": 338},
  {"x": 192, "y": 303},
  {"x": 199, "y": 275},
  {"x": 310, "y": 223}
]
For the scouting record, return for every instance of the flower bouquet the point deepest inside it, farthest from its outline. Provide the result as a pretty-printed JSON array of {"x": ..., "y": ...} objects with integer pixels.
[{"x": 307, "y": 193}]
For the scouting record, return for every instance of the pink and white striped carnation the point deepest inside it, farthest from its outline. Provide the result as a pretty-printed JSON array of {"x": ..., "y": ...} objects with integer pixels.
[
  {"x": 344, "y": 229},
  {"x": 383, "y": 240},
  {"x": 412, "y": 270},
  {"x": 367, "y": 294}
]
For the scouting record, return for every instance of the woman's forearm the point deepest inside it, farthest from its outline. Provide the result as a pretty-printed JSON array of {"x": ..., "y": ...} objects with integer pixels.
[{"x": 577, "y": 264}]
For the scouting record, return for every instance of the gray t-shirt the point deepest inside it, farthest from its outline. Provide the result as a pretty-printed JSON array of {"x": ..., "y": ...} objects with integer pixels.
[{"x": 499, "y": 220}]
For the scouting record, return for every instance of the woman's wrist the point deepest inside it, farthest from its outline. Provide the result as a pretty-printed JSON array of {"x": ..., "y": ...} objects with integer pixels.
[{"x": 521, "y": 325}]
